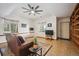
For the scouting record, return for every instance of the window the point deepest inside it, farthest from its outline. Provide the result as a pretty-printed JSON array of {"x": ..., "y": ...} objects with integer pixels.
[
  {"x": 14, "y": 28},
  {"x": 42, "y": 26},
  {"x": 10, "y": 27},
  {"x": 6, "y": 27},
  {"x": 23, "y": 25}
]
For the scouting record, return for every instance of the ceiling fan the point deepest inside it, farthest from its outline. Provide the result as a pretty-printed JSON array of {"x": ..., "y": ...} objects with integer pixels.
[{"x": 32, "y": 10}]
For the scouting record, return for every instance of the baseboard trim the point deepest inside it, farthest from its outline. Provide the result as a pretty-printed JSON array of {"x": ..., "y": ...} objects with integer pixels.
[
  {"x": 63, "y": 38},
  {"x": 41, "y": 37},
  {"x": 45, "y": 38}
]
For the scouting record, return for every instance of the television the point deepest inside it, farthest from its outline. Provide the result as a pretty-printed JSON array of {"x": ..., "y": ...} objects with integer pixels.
[
  {"x": 31, "y": 29},
  {"x": 49, "y": 32}
]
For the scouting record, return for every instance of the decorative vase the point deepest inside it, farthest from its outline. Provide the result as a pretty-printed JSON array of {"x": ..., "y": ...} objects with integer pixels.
[{"x": 35, "y": 46}]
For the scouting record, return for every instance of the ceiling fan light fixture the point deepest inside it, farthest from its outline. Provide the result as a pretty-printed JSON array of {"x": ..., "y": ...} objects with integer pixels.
[{"x": 32, "y": 12}]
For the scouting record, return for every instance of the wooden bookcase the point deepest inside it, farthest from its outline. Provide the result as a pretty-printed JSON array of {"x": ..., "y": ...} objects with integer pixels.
[{"x": 74, "y": 25}]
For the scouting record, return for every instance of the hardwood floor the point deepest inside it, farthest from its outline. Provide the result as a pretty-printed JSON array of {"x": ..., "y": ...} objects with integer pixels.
[
  {"x": 63, "y": 48},
  {"x": 60, "y": 47}
]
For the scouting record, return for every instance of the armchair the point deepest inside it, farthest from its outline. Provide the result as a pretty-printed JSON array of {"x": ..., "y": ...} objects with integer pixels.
[{"x": 17, "y": 47}]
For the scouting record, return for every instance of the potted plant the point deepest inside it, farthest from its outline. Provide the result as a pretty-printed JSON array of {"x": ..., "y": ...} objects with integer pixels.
[{"x": 35, "y": 43}]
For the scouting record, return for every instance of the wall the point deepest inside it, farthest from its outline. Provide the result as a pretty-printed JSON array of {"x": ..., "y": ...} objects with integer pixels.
[
  {"x": 20, "y": 29},
  {"x": 1, "y": 26},
  {"x": 25, "y": 31},
  {"x": 46, "y": 20},
  {"x": 65, "y": 19},
  {"x": 2, "y": 37},
  {"x": 32, "y": 23}
]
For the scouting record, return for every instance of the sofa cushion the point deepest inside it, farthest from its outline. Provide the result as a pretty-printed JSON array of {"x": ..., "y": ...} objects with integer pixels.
[{"x": 21, "y": 39}]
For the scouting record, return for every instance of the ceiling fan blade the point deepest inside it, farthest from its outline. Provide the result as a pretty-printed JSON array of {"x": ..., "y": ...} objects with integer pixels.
[
  {"x": 36, "y": 7},
  {"x": 39, "y": 11},
  {"x": 29, "y": 13},
  {"x": 25, "y": 8},
  {"x": 29, "y": 6},
  {"x": 26, "y": 11}
]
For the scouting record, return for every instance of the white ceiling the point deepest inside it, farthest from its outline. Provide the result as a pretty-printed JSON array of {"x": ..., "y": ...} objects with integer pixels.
[{"x": 14, "y": 10}]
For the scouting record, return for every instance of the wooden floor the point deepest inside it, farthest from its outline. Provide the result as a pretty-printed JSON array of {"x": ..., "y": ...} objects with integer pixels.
[
  {"x": 60, "y": 47},
  {"x": 63, "y": 48}
]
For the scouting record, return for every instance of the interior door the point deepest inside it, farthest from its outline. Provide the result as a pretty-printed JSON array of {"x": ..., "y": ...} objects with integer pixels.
[{"x": 64, "y": 30}]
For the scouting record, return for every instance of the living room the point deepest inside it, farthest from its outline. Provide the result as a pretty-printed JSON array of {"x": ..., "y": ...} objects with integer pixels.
[{"x": 48, "y": 24}]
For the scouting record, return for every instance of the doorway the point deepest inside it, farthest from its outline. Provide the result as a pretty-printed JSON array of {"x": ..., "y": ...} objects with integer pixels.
[{"x": 64, "y": 30}]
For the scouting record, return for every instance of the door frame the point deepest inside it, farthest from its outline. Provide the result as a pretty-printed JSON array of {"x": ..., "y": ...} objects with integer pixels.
[{"x": 61, "y": 30}]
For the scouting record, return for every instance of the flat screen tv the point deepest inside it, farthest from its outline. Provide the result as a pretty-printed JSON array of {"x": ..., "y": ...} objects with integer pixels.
[
  {"x": 49, "y": 32},
  {"x": 31, "y": 29}
]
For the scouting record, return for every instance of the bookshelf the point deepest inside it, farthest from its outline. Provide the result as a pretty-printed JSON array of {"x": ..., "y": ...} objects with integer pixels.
[{"x": 74, "y": 25}]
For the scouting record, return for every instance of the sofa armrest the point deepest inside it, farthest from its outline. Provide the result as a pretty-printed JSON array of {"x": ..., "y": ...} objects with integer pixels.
[
  {"x": 26, "y": 46},
  {"x": 24, "y": 49}
]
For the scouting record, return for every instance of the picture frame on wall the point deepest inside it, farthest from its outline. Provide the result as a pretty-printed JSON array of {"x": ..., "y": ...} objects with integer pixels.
[
  {"x": 49, "y": 24},
  {"x": 23, "y": 25}
]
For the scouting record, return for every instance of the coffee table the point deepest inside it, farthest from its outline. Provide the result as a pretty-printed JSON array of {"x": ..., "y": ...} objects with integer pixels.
[{"x": 39, "y": 49}]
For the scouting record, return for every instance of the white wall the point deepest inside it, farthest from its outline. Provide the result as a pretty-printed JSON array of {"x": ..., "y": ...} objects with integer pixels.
[
  {"x": 21, "y": 29},
  {"x": 53, "y": 20},
  {"x": 31, "y": 23},
  {"x": 1, "y": 26},
  {"x": 46, "y": 20},
  {"x": 2, "y": 37}
]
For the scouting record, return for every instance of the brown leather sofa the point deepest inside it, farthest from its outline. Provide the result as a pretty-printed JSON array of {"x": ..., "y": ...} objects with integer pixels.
[{"x": 17, "y": 46}]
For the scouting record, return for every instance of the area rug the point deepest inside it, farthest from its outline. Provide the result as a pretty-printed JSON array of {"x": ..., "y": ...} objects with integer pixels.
[{"x": 45, "y": 48}]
